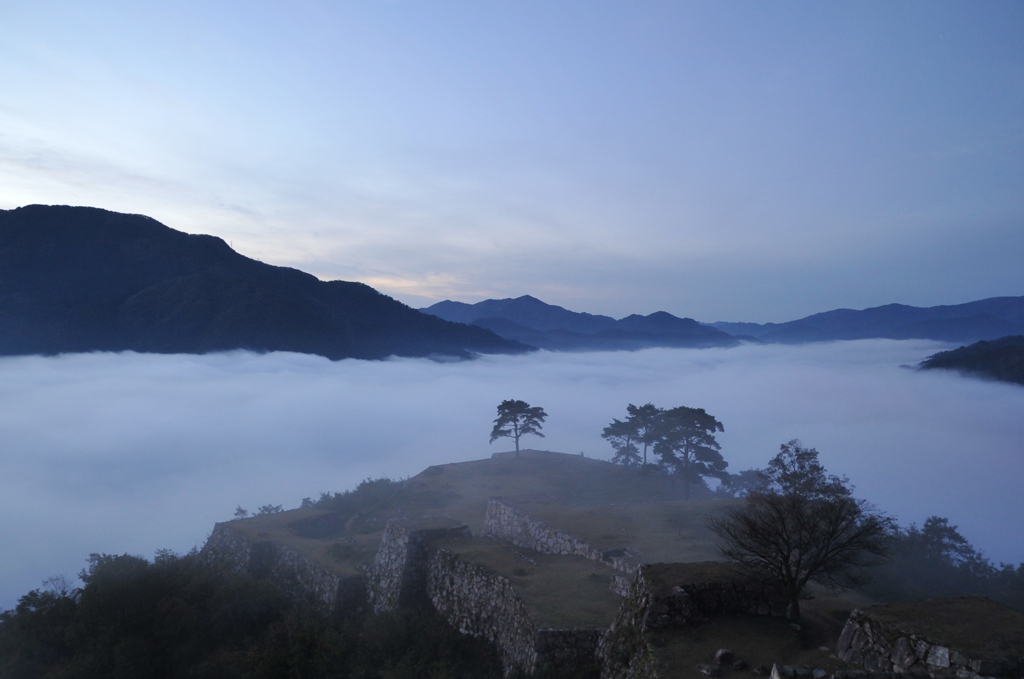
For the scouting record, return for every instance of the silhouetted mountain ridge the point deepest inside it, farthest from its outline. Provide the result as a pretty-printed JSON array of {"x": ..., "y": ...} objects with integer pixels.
[
  {"x": 84, "y": 279},
  {"x": 529, "y": 320},
  {"x": 548, "y": 326},
  {"x": 1001, "y": 359},
  {"x": 981, "y": 320}
]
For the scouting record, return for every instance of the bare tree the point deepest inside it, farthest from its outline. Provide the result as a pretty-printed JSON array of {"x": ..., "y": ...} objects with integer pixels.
[
  {"x": 517, "y": 418},
  {"x": 804, "y": 525}
]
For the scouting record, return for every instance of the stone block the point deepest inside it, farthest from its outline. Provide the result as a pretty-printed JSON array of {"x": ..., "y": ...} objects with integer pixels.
[
  {"x": 938, "y": 656},
  {"x": 903, "y": 655},
  {"x": 724, "y": 656}
]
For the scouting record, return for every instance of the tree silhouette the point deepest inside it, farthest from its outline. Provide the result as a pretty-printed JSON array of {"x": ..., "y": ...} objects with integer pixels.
[
  {"x": 623, "y": 437},
  {"x": 803, "y": 524},
  {"x": 685, "y": 441},
  {"x": 516, "y": 418},
  {"x": 626, "y": 436},
  {"x": 644, "y": 420}
]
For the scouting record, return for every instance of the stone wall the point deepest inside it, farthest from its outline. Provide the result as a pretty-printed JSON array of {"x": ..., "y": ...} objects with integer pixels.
[
  {"x": 226, "y": 550},
  {"x": 883, "y": 647},
  {"x": 231, "y": 551},
  {"x": 398, "y": 575},
  {"x": 623, "y": 653},
  {"x": 677, "y": 595},
  {"x": 505, "y": 522},
  {"x": 484, "y": 605}
]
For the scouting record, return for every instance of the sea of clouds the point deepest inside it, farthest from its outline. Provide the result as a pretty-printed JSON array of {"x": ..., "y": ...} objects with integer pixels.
[{"x": 119, "y": 453}]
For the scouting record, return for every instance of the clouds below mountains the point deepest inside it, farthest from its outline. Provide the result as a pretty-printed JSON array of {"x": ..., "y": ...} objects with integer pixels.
[{"x": 131, "y": 453}]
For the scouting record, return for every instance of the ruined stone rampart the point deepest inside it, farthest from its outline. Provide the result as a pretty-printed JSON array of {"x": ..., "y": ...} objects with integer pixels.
[
  {"x": 230, "y": 550},
  {"x": 485, "y": 605},
  {"x": 883, "y": 647},
  {"x": 505, "y": 522},
  {"x": 677, "y": 595},
  {"x": 398, "y": 575}
]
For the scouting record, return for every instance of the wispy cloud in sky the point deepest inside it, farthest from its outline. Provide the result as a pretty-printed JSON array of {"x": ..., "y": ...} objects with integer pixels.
[
  {"x": 132, "y": 453},
  {"x": 708, "y": 159}
]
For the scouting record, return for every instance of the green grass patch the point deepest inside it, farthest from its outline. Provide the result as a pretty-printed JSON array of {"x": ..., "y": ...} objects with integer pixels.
[{"x": 979, "y": 627}]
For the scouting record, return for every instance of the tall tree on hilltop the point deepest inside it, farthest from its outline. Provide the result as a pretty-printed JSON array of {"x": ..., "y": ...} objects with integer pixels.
[
  {"x": 626, "y": 436},
  {"x": 803, "y": 524},
  {"x": 623, "y": 437},
  {"x": 644, "y": 420},
  {"x": 687, "y": 446},
  {"x": 516, "y": 418}
]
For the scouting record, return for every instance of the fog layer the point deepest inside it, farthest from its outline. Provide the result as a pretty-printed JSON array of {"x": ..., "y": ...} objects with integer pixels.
[{"x": 131, "y": 453}]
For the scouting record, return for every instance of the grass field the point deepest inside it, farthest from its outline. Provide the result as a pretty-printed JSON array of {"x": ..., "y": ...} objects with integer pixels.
[{"x": 958, "y": 623}]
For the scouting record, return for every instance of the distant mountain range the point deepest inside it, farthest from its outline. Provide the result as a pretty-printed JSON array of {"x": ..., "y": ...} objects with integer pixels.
[
  {"x": 78, "y": 279},
  {"x": 982, "y": 320},
  {"x": 546, "y": 326},
  {"x": 534, "y": 322}
]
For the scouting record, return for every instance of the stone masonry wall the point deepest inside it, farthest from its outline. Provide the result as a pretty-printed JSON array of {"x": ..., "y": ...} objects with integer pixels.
[
  {"x": 507, "y": 523},
  {"x": 879, "y": 648},
  {"x": 658, "y": 598},
  {"x": 484, "y": 605},
  {"x": 398, "y": 574},
  {"x": 229, "y": 550},
  {"x": 622, "y": 652}
]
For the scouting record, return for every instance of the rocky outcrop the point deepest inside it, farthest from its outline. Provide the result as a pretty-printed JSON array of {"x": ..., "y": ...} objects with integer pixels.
[
  {"x": 505, "y": 522},
  {"x": 230, "y": 550},
  {"x": 881, "y": 646}
]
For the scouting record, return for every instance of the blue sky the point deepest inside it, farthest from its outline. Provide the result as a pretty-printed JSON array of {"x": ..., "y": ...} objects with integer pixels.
[{"x": 721, "y": 160}]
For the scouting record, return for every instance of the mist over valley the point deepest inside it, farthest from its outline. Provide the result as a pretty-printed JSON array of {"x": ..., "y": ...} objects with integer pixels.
[{"x": 133, "y": 452}]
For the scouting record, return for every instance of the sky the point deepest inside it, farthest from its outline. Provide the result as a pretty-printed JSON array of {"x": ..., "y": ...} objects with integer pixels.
[
  {"x": 735, "y": 161},
  {"x": 131, "y": 453}
]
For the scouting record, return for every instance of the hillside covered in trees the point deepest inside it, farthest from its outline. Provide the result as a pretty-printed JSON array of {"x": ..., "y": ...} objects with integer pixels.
[
  {"x": 76, "y": 279},
  {"x": 1001, "y": 359}
]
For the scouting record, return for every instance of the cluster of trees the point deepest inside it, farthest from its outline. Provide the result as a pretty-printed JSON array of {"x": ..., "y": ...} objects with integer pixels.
[
  {"x": 799, "y": 523},
  {"x": 682, "y": 438},
  {"x": 173, "y": 618},
  {"x": 936, "y": 560}
]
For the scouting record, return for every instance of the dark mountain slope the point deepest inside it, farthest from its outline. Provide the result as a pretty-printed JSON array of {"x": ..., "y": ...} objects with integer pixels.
[
  {"x": 973, "y": 321},
  {"x": 529, "y": 320},
  {"x": 85, "y": 279},
  {"x": 526, "y": 311},
  {"x": 1001, "y": 359}
]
